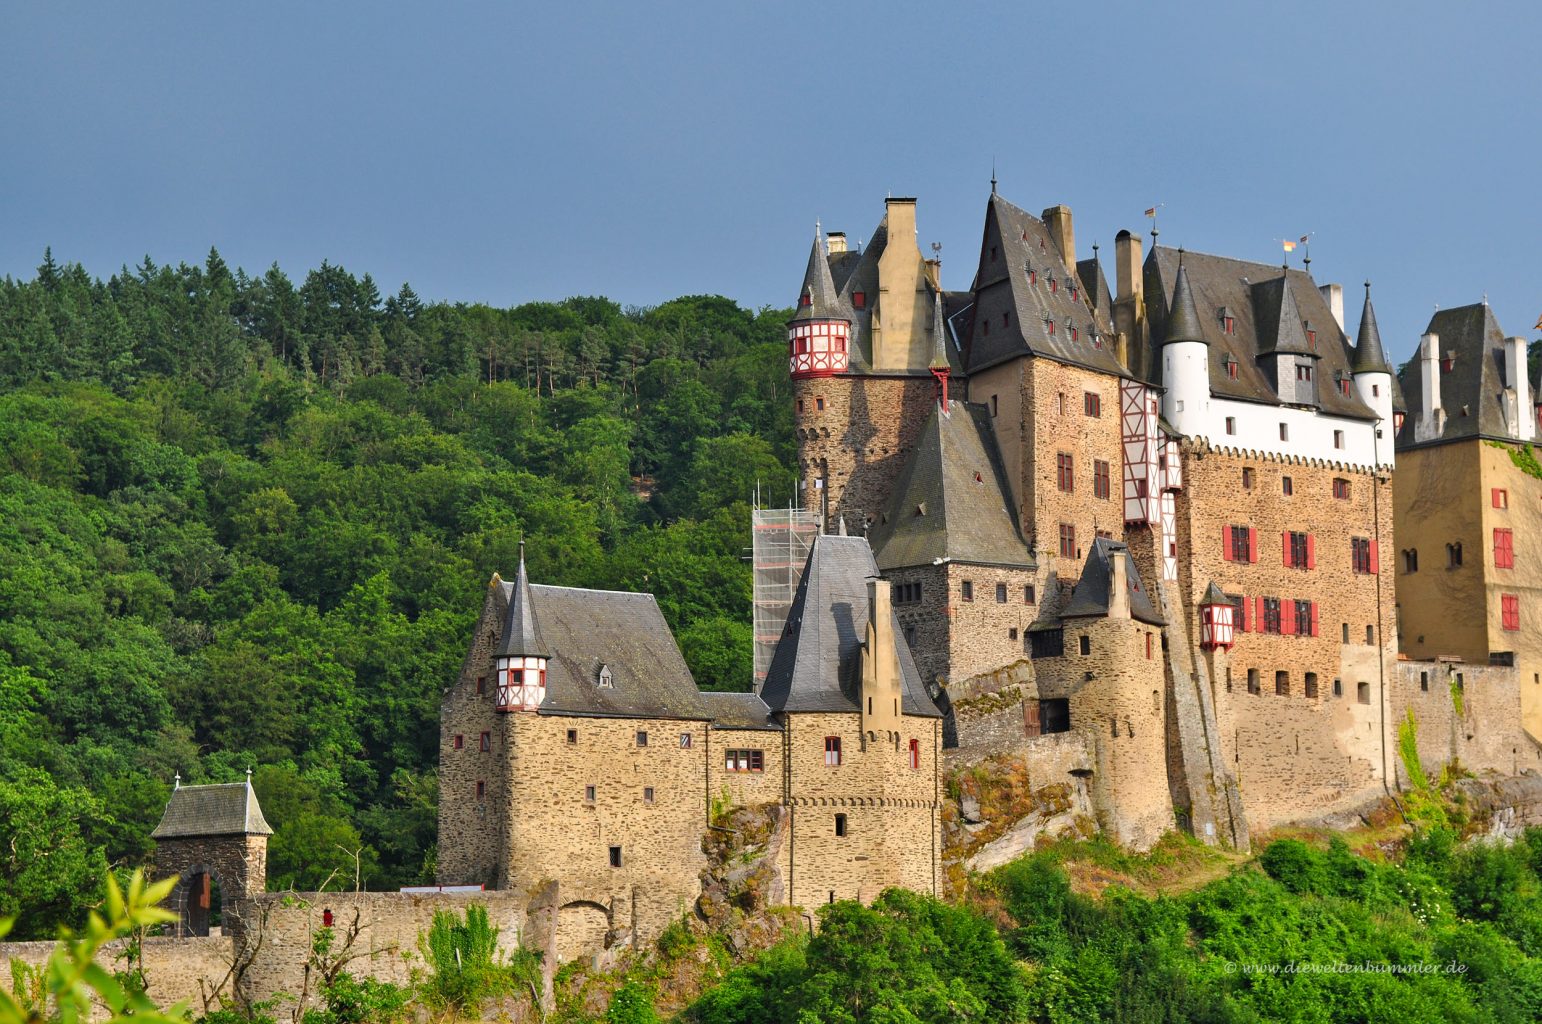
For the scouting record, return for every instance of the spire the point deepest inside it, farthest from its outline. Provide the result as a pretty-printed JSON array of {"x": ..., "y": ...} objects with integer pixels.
[
  {"x": 1369, "y": 357},
  {"x": 521, "y": 631},
  {"x": 818, "y": 285},
  {"x": 1183, "y": 324},
  {"x": 841, "y": 530}
]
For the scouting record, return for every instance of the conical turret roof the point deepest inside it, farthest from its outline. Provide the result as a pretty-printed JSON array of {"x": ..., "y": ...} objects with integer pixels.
[
  {"x": 819, "y": 286},
  {"x": 521, "y": 630},
  {"x": 1369, "y": 357},
  {"x": 1183, "y": 324}
]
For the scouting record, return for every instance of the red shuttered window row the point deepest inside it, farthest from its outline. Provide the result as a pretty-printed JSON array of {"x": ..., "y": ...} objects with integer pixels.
[
  {"x": 1281, "y": 616},
  {"x": 1300, "y": 550}
]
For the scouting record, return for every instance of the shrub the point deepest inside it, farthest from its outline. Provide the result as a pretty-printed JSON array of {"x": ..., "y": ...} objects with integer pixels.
[{"x": 463, "y": 958}]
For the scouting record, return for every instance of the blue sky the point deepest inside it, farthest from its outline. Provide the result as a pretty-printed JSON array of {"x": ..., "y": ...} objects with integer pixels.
[{"x": 506, "y": 152}]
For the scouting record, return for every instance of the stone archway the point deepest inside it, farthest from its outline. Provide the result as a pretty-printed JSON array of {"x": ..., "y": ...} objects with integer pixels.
[
  {"x": 582, "y": 929},
  {"x": 198, "y": 900}
]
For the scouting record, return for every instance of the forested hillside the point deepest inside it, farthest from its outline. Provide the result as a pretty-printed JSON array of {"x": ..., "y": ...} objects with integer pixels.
[{"x": 249, "y": 523}]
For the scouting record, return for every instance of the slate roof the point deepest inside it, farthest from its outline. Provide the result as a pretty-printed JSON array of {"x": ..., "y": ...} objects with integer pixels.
[
  {"x": 1214, "y": 595},
  {"x": 1090, "y": 598},
  {"x": 1095, "y": 286},
  {"x": 1369, "y": 357},
  {"x": 586, "y": 630},
  {"x": 1025, "y": 244},
  {"x": 819, "y": 286},
  {"x": 951, "y": 500},
  {"x": 521, "y": 631},
  {"x": 816, "y": 666},
  {"x": 1475, "y": 382},
  {"x": 737, "y": 710},
  {"x": 1219, "y": 282},
  {"x": 228, "y": 809}
]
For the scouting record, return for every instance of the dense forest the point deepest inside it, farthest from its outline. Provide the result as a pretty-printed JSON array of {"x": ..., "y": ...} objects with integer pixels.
[{"x": 245, "y": 523}]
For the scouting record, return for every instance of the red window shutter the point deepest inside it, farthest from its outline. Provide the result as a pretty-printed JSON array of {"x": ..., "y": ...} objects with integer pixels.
[
  {"x": 1258, "y": 614},
  {"x": 1314, "y": 618},
  {"x": 1493, "y": 496},
  {"x": 1375, "y": 560},
  {"x": 1285, "y": 544},
  {"x": 1288, "y": 616},
  {"x": 1311, "y": 552},
  {"x": 1226, "y": 546},
  {"x": 1252, "y": 544},
  {"x": 1242, "y": 617}
]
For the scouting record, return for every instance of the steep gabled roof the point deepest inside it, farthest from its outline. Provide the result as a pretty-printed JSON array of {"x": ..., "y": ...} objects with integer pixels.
[
  {"x": 228, "y": 809},
  {"x": 732, "y": 710},
  {"x": 1095, "y": 287},
  {"x": 1369, "y": 357},
  {"x": 1091, "y": 596},
  {"x": 1219, "y": 284},
  {"x": 1026, "y": 249},
  {"x": 817, "y": 665},
  {"x": 952, "y": 502},
  {"x": 586, "y": 631},
  {"x": 1280, "y": 328},
  {"x": 1183, "y": 325},
  {"x": 1472, "y": 391}
]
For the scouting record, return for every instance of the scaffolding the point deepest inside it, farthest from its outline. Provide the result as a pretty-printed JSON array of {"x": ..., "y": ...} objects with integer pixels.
[{"x": 781, "y": 539}]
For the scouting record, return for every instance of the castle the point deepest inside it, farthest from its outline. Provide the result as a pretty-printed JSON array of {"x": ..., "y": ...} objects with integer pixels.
[{"x": 1145, "y": 521}]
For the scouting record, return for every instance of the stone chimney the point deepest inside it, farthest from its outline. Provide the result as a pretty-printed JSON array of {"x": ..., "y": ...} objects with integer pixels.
[
  {"x": 1129, "y": 290},
  {"x": 1333, "y": 294},
  {"x": 1118, "y": 583},
  {"x": 1431, "y": 416},
  {"x": 880, "y": 664},
  {"x": 1058, "y": 220},
  {"x": 901, "y": 215},
  {"x": 1518, "y": 388},
  {"x": 835, "y": 242}
]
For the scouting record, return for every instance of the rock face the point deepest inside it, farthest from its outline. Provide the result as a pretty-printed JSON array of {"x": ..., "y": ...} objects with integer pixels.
[
  {"x": 743, "y": 878},
  {"x": 1508, "y": 804}
]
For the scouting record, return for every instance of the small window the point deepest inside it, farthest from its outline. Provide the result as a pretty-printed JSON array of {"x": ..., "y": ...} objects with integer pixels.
[
  {"x": 832, "y": 751},
  {"x": 1370, "y": 635},
  {"x": 1231, "y": 365},
  {"x": 1510, "y": 611},
  {"x": 1363, "y": 692},
  {"x": 1311, "y": 685},
  {"x": 1049, "y": 325},
  {"x": 1060, "y": 401},
  {"x": 1012, "y": 633},
  {"x": 915, "y": 755},
  {"x": 1338, "y": 687},
  {"x": 1065, "y": 475},
  {"x": 994, "y": 405},
  {"x": 1338, "y": 439},
  {"x": 1411, "y": 560},
  {"x": 572, "y": 737},
  {"x": 1148, "y": 645},
  {"x": 1231, "y": 424},
  {"x": 1282, "y": 684},
  {"x": 1453, "y": 555},
  {"x": 1253, "y": 686},
  {"x": 1287, "y": 486},
  {"x": 481, "y": 790},
  {"x": 685, "y": 741},
  {"x": 1360, "y": 549},
  {"x": 589, "y": 794},
  {"x": 910, "y": 635},
  {"x": 1229, "y": 324},
  {"x": 460, "y": 742},
  {"x": 1101, "y": 486},
  {"x": 615, "y": 856},
  {"x": 1346, "y": 632},
  {"x": 1029, "y": 597},
  {"x": 1092, "y": 403},
  {"x": 1375, "y": 390},
  {"x": 1247, "y": 478},
  {"x": 1424, "y": 682},
  {"x": 840, "y": 825},
  {"x": 1001, "y": 593},
  {"x": 1341, "y": 489},
  {"x": 859, "y": 299},
  {"x": 647, "y": 794},
  {"x": 1504, "y": 549},
  {"x": 819, "y": 403},
  {"x": 966, "y": 590},
  {"x": 607, "y": 680},
  {"x": 642, "y": 737},
  {"x": 1067, "y": 540},
  {"x": 1501, "y": 497},
  {"x": 1086, "y": 644},
  {"x": 800, "y": 406},
  {"x": 487, "y": 742},
  {"x": 1284, "y": 432},
  {"x": 481, "y": 684}
]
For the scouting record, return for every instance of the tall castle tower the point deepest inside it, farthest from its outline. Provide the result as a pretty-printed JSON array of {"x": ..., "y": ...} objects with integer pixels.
[{"x": 866, "y": 349}]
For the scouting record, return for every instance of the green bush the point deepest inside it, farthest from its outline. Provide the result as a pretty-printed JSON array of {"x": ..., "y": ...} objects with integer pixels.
[{"x": 462, "y": 955}]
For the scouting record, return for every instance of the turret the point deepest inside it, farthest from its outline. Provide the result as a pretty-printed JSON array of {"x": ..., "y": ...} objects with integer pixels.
[
  {"x": 819, "y": 333},
  {"x": 1185, "y": 362},
  {"x": 1215, "y": 620},
  {"x": 520, "y": 661},
  {"x": 1372, "y": 373}
]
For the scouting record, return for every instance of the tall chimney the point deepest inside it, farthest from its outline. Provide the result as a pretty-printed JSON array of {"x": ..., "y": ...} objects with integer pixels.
[
  {"x": 901, "y": 215},
  {"x": 835, "y": 241},
  {"x": 1129, "y": 292},
  {"x": 1118, "y": 583},
  {"x": 1058, "y": 220},
  {"x": 1430, "y": 414},
  {"x": 1333, "y": 294},
  {"x": 880, "y": 664},
  {"x": 1519, "y": 386}
]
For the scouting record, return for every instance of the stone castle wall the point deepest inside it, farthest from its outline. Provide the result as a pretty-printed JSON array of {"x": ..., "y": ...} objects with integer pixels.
[
  {"x": 1294, "y": 754},
  {"x": 746, "y": 789},
  {"x": 1465, "y": 714},
  {"x": 890, "y": 811},
  {"x": 858, "y": 443},
  {"x": 177, "y": 970}
]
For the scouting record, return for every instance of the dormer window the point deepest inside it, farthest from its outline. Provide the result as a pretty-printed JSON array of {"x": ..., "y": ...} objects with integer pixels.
[
  {"x": 806, "y": 299},
  {"x": 1075, "y": 292},
  {"x": 1231, "y": 367},
  {"x": 859, "y": 299},
  {"x": 1447, "y": 363},
  {"x": 607, "y": 682},
  {"x": 1033, "y": 276},
  {"x": 1311, "y": 335},
  {"x": 1228, "y": 322},
  {"x": 1054, "y": 286},
  {"x": 1344, "y": 386},
  {"x": 1050, "y": 326},
  {"x": 1075, "y": 334},
  {"x": 993, "y": 254}
]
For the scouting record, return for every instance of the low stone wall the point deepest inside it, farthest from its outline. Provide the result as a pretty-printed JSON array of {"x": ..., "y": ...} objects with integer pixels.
[
  {"x": 176, "y": 970},
  {"x": 1467, "y": 713},
  {"x": 283, "y": 926}
]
